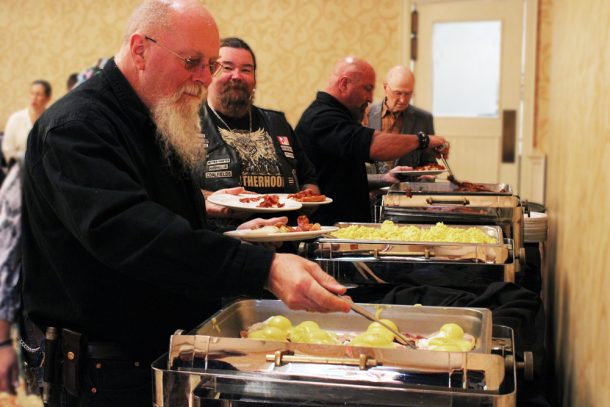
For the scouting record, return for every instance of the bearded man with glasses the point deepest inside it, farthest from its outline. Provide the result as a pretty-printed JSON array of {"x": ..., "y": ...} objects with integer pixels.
[
  {"x": 248, "y": 146},
  {"x": 117, "y": 251}
]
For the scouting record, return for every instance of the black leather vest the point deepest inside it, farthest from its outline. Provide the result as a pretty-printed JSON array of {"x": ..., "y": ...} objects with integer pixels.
[{"x": 223, "y": 165}]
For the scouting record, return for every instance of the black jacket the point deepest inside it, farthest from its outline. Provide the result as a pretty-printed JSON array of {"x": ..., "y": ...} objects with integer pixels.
[
  {"x": 338, "y": 146},
  {"x": 115, "y": 238}
]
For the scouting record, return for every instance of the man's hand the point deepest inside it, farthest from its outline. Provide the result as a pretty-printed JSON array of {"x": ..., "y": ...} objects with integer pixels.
[
  {"x": 9, "y": 370},
  {"x": 393, "y": 176},
  {"x": 439, "y": 145},
  {"x": 313, "y": 188},
  {"x": 258, "y": 223},
  {"x": 426, "y": 178},
  {"x": 219, "y": 211},
  {"x": 301, "y": 284}
]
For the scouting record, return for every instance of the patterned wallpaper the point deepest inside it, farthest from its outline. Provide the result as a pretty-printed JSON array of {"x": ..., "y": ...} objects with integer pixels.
[{"x": 296, "y": 42}]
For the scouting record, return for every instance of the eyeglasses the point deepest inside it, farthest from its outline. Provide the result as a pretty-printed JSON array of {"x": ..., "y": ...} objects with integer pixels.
[
  {"x": 227, "y": 67},
  {"x": 398, "y": 94},
  {"x": 190, "y": 64}
]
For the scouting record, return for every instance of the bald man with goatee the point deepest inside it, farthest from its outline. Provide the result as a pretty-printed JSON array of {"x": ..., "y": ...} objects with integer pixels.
[{"x": 334, "y": 139}]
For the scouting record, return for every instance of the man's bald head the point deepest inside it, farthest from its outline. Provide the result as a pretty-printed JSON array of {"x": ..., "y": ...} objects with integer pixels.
[
  {"x": 352, "y": 83},
  {"x": 155, "y": 16},
  {"x": 350, "y": 67},
  {"x": 398, "y": 87}
]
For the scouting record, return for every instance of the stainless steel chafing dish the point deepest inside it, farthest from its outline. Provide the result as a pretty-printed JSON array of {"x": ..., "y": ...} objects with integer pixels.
[
  {"x": 382, "y": 261},
  {"x": 213, "y": 366},
  {"x": 426, "y": 202}
]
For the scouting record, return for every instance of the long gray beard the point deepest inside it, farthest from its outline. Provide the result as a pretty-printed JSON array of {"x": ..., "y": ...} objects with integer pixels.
[{"x": 179, "y": 130}]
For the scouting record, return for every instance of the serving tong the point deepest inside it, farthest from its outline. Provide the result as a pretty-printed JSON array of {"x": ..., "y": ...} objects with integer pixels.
[
  {"x": 449, "y": 170},
  {"x": 400, "y": 338}
]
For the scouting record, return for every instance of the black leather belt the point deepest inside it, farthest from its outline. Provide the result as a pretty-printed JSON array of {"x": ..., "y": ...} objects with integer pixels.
[{"x": 107, "y": 351}]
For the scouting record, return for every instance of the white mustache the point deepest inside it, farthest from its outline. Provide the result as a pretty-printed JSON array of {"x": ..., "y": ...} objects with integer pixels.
[{"x": 191, "y": 89}]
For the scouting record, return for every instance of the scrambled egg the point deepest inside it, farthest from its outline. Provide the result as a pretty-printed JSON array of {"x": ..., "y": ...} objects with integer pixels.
[
  {"x": 450, "y": 338},
  {"x": 437, "y": 233}
]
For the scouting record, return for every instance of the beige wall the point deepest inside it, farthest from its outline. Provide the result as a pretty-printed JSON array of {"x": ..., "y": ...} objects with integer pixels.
[
  {"x": 49, "y": 39},
  {"x": 296, "y": 42},
  {"x": 575, "y": 133}
]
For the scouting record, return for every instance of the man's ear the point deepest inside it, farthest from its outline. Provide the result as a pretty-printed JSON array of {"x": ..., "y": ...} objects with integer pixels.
[
  {"x": 344, "y": 83},
  {"x": 137, "y": 47}
]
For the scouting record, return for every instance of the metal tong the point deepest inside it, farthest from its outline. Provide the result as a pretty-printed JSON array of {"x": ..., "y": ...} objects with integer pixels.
[
  {"x": 446, "y": 164},
  {"x": 400, "y": 338}
]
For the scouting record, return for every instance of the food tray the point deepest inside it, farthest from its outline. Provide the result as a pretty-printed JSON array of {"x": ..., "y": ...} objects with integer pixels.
[
  {"x": 492, "y": 231},
  {"x": 498, "y": 252},
  {"x": 446, "y": 188},
  {"x": 420, "y": 320}
]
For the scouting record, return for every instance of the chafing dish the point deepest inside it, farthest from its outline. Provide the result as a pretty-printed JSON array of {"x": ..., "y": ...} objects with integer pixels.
[
  {"x": 362, "y": 262},
  {"x": 213, "y": 366},
  {"x": 427, "y": 202}
]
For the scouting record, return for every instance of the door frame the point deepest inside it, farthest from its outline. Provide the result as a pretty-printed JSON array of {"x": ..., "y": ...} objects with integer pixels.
[{"x": 532, "y": 169}]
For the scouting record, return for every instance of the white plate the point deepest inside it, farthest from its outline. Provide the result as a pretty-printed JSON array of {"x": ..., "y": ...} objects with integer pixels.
[
  {"x": 325, "y": 202},
  {"x": 418, "y": 173},
  {"x": 232, "y": 201},
  {"x": 253, "y": 236}
]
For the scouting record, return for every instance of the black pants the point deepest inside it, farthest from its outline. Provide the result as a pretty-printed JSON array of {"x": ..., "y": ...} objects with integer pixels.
[{"x": 107, "y": 383}]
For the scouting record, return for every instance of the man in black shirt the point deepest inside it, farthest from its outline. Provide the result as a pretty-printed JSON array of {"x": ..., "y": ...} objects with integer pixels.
[
  {"x": 115, "y": 241},
  {"x": 338, "y": 145}
]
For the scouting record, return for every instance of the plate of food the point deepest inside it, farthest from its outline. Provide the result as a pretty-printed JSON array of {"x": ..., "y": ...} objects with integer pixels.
[
  {"x": 428, "y": 169},
  {"x": 307, "y": 198},
  {"x": 255, "y": 202},
  {"x": 282, "y": 232}
]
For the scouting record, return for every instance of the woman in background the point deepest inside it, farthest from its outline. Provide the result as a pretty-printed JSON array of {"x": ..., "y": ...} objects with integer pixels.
[{"x": 20, "y": 123}]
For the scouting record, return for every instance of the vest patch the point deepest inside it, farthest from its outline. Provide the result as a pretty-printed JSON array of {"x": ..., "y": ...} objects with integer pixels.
[
  {"x": 219, "y": 174},
  {"x": 218, "y": 167},
  {"x": 219, "y": 161},
  {"x": 262, "y": 181},
  {"x": 284, "y": 140}
]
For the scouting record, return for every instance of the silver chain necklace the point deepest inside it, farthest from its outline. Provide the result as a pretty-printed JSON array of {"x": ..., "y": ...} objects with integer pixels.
[{"x": 225, "y": 123}]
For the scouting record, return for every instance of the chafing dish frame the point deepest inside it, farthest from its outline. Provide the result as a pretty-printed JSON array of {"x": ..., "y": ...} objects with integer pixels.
[
  {"x": 431, "y": 202},
  {"x": 326, "y": 250},
  {"x": 184, "y": 384}
]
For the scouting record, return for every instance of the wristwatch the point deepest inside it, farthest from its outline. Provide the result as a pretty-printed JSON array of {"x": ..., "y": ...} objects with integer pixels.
[{"x": 423, "y": 139}]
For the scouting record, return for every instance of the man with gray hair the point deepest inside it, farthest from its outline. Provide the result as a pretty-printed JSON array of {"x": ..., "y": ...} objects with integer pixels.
[
  {"x": 395, "y": 114},
  {"x": 117, "y": 253}
]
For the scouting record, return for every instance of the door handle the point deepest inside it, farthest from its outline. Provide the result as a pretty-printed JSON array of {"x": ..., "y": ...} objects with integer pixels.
[{"x": 509, "y": 135}]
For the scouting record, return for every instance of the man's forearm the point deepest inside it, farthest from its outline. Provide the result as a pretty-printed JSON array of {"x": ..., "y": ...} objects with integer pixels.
[
  {"x": 376, "y": 181},
  {"x": 389, "y": 146}
]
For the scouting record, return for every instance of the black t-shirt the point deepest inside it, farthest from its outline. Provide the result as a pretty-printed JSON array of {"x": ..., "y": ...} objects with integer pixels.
[{"x": 338, "y": 146}]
